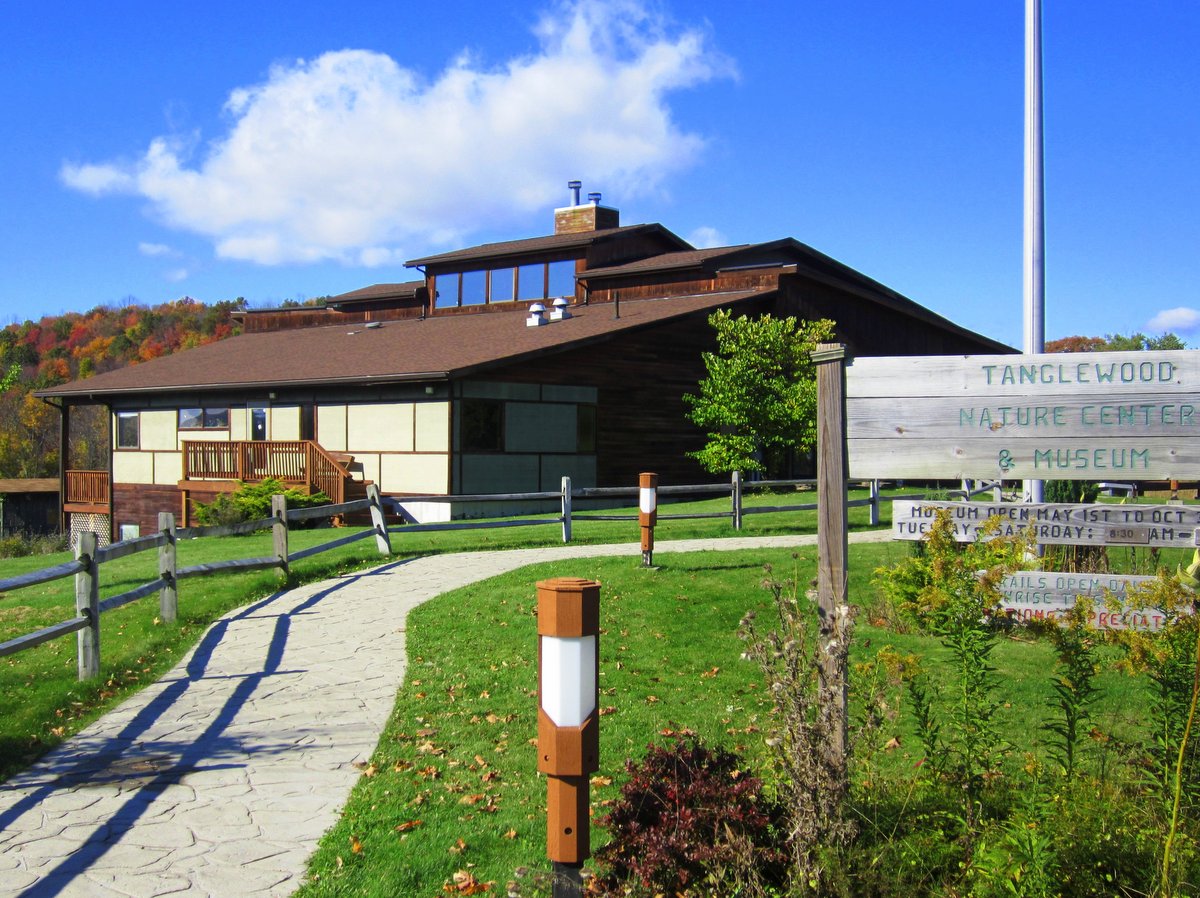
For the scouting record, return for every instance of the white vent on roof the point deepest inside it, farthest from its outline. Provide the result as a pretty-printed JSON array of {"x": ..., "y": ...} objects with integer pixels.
[
  {"x": 537, "y": 315},
  {"x": 561, "y": 312}
]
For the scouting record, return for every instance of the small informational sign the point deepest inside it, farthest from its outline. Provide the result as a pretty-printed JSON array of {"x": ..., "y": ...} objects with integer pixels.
[
  {"x": 1053, "y": 416},
  {"x": 1046, "y": 595},
  {"x": 1163, "y": 526}
]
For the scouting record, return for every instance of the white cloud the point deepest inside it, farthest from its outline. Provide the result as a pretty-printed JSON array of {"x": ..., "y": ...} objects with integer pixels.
[
  {"x": 98, "y": 180},
  {"x": 155, "y": 249},
  {"x": 349, "y": 155},
  {"x": 1178, "y": 319},
  {"x": 704, "y": 237},
  {"x": 175, "y": 275}
]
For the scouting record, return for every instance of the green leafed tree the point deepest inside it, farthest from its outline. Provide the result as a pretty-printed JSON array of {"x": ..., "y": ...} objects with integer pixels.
[{"x": 759, "y": 397}]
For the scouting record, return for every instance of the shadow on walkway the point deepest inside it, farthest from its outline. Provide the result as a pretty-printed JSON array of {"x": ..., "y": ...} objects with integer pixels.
[{"x": 121, "y": 759}]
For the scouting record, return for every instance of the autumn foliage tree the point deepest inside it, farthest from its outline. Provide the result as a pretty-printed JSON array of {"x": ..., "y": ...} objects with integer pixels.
[
  {"x": 58, "y": 349},
  {"x": 1115, "y": 343}
]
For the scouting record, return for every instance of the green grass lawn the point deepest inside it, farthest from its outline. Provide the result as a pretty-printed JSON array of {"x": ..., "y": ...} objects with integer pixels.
[
  {"x": 42, "y": 702},
  {"x": 453, "y": 785}
]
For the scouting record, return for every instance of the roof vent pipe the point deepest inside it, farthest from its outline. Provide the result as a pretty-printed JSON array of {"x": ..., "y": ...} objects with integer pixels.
[
  {"x": 574, "y": 186},
  {"x": 594, "y": 199}
]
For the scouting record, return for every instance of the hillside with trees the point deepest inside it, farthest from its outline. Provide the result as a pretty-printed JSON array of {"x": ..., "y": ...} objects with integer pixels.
[
  {"x": 1115, "y": 343},
  {"x": 57, "y": 349}
]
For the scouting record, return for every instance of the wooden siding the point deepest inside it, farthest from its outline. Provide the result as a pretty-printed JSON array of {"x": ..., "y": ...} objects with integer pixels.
[
  {"x": 866, "y": 327},
  {"x": 627, "y": 248},
  {"x": 641, "y": 422},
  {"x": 33, "y": 513},
  {"x": 653, "y": 285},
  {"x": 136, "y": 503},
  {"x": 287, "y": 319}
]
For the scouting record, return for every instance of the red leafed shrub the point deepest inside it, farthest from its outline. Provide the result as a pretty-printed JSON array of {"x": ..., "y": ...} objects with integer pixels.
[{"x": 691, "y": 821}]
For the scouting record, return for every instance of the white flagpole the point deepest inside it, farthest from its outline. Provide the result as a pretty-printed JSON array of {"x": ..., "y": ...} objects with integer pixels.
[{"x": 1035, "y": 235}]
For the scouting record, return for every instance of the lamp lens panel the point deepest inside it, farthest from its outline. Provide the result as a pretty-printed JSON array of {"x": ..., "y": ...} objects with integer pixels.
[
  {"x": 647, "y": 499},
  {"x": 568, "y": 678}
]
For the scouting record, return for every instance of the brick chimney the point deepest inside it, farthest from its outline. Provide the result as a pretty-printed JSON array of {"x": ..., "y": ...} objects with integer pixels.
[{"x": 580, "y": 217}]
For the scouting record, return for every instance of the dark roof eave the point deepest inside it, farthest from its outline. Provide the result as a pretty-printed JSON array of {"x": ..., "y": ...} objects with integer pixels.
[{"x": 366, "y": 380}]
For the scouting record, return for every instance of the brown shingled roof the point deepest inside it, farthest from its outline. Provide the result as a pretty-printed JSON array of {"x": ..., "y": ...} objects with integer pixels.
[
  {"x": 377, "y": 292},
  {"x": 435, "y": 348},
  {"x": 666, "y": 261},
  {"x": 488, "y": 251}
]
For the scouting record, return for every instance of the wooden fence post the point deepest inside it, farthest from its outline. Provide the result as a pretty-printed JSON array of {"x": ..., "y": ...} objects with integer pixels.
[
  {"x": 382, "y": 541},
  {"x": 874, "y": 503},
  {"x": 87, "y": 604},
  {"x": 736, "y": 494},
  {"x": 279, "y": 531},
  {"x": 831, "y": 537},
  {"x": 168, "y": 596},
  {"x": 566, "y": 509}
]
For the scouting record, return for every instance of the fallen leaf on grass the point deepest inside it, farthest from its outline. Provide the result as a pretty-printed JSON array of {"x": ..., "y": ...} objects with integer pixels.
[
  {"x": 686, "y": 731},
  {"x": 601, "y": 780},
  {"x": 458, "y": 847},
  {"x": 464, "y": 883},
  {"x": 355, "y": 845},
  {"x": 511, "y": 834},
  {"x": 409, "y": 825}
]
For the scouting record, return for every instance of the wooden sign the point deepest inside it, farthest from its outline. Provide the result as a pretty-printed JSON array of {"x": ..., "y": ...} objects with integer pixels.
[
  {"x": 1162, "y": 526},
  {"x": 1081, "y": 416},
  {"x": 1046, "y": 595}
]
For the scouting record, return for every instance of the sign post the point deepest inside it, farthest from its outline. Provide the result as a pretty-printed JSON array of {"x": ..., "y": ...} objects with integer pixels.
[{"x": 830, "y": 361}]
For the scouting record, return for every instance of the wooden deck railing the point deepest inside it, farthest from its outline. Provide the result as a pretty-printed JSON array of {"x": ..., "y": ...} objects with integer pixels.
[
  {"x": 296, "y": 462},
  {"x": 87, "y": 488}
]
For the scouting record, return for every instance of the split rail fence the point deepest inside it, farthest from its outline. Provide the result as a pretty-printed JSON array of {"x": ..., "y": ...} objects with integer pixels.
[
  {"x": 736, "y": 489},
  {"x": 90, "y": 557}
]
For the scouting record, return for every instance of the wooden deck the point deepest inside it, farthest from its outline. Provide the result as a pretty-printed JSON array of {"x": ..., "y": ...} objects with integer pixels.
[
  {"x": 211, "y": 467},
  {"x": 88, "y": 492}
]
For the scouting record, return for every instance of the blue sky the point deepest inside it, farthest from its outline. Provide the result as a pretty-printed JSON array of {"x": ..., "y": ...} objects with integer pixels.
[{"x": 291, "y": 150}]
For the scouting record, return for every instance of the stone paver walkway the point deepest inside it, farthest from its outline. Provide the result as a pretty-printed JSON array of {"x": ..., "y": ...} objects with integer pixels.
[{"x": 219, "y": 779}]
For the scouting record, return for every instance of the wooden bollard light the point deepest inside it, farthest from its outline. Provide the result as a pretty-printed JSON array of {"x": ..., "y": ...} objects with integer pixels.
[
  {"x": 647, "y": 514},
  {"x": 568, "y": 735}
]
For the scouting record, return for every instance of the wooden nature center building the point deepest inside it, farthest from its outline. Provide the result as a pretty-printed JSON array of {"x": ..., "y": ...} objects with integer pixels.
[{"x": 504, "y": 368}]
